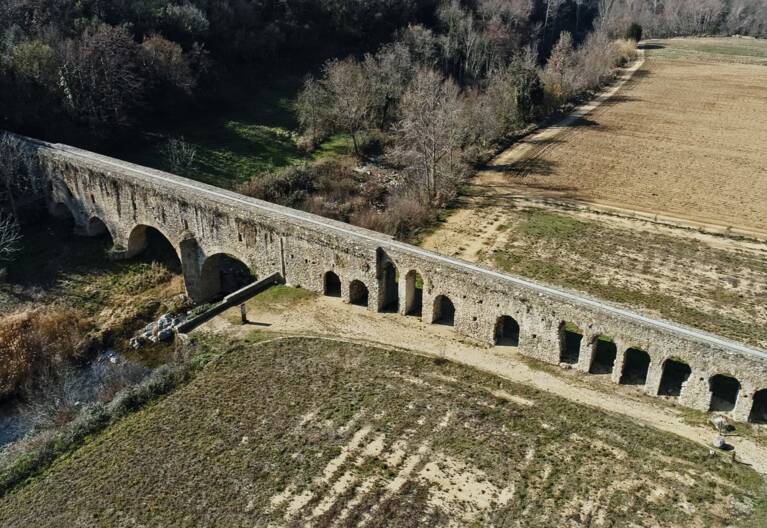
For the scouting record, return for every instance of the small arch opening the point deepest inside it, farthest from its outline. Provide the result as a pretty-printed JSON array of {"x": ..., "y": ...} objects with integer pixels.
[
  {"x": 636, "y": 365},
  {"x": 675, "y": 375},
  {"x": 358, "y": 293},
  {"x": 570, "y": 337},
  {"x": 413, "y": 293},
  {"x": 390, "y": 288},
  {"x": 758, "y": 413},
  {"x": 605, "y": 352},
  {"x": 724, "y": 393},
  {"x": 444, "y": 311},
  {"x": 332, "y": 285},
  {"x": 223, "y": 274},
  {"x": 506, "y": 331}
]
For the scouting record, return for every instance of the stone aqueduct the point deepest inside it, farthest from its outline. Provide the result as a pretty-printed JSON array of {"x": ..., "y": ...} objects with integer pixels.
[{"x": 201, "y": 222}]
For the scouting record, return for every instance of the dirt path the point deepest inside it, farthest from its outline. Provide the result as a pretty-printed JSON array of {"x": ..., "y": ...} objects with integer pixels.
[{"x": 330, "y": 317}]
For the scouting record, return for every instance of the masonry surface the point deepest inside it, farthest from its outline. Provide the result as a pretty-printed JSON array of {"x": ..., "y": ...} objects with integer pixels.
[{"x": 201, "y": 222}]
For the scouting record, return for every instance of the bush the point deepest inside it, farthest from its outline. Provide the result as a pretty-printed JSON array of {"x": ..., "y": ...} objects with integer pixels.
[
  {"x": 623, "y": 51},
  {"x": 30, "y": 341},
  {"x": 403, "y": 215},
  {"x": 634, "y": 32}
]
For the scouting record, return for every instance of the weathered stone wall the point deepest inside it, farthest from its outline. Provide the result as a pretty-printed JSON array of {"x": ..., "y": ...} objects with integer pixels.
[{"x": 201, "y": 221}]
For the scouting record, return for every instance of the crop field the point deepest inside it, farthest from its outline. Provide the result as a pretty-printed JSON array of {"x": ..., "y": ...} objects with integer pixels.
[
  {"x": 685, "y": 138},
  {"x": 307, "y": 431}
]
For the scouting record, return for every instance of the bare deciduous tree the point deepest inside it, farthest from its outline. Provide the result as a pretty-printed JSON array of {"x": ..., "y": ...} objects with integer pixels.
[
  {"x": 10, "y": 238},
  {"x": 428, "y": 133},
  {"x": 17, "y": 176},
  {"x": 179, "y": 153},
  {"x": 100, "y": 77},
  {"x": 312, "y": 108},
  {"x": 352, "y": 99}
]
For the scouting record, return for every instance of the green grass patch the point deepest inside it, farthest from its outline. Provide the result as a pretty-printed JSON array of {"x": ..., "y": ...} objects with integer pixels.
[
  {"x": 747, "y": 51},
  {"x": 238, "y": 141},
  {"x": 541, "y": 224}
]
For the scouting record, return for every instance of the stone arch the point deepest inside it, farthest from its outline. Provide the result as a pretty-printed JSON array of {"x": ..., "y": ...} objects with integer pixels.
[
  {"x": 390, "y": 288},
  {"x": 570, "y": 337},
  {"x": 96, "y": 226},
  {"x": 506, "y": 331},
  {"x": 414, "y": 293},
  {"x": 222, "y": 274},
  {"x": 331, "y": 284},
  {"x": 358, "y": 293},
  {"x": 604, "y": 354},
  {"x": 759, "y": 407},
  {"x": 144, "y": 238},
  {"x": 63, "y": 212},
  {"x": 636, "y": 365},
  {"x": 444, "y": 311},
  {"x": 675, "y": 375},
  {"x": 724, "y": 391}
]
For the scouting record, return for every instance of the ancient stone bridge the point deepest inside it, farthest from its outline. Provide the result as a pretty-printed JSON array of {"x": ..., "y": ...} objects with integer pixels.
[{"x": 208, "y": 227}]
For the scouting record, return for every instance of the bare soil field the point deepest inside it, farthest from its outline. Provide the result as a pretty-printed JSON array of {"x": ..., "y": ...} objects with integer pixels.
[
  {"x": 685, "y": 137},
  {"x": 632, "y": 202},
  {"x": 317, "y": 432}
]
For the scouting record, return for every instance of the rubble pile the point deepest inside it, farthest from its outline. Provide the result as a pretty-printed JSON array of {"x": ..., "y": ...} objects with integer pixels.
[{"x": 160, "y": 330}]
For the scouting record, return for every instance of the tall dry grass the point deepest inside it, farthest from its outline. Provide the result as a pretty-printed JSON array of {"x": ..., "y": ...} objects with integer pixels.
[{"x": 32, "y": 340}]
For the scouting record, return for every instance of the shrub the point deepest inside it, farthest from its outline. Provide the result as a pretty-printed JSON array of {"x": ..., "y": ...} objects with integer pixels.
[
  {"x": 623, "y": 51},
  {"x": 634, "y": 32},
  {"x": 32, "y": 340}
]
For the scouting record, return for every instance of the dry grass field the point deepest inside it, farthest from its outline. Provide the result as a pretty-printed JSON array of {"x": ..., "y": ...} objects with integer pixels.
[
  {"x": 633, "y": 202},
  {"x": 684, "y": 138},
  {"x": 316, "y": 432}
]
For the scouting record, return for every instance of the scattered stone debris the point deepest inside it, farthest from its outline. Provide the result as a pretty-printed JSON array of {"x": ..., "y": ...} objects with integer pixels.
[
  {"x": 160, "y": 330},
  {"x": 719, "y": 442},
  {"x": 721, "y": 424}
]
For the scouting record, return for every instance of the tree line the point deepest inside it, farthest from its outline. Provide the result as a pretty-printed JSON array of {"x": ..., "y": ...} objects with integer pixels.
[
  {"x": 667, "y": 18},
  {"x": 426, "y": 107}
]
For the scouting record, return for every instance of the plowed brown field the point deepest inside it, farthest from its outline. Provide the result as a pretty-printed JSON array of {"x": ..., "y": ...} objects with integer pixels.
[{"x": 685, "y": 137}]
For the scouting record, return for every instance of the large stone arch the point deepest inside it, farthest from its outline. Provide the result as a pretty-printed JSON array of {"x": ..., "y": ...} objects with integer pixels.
[
  {"x": 604, "y": 353},
  {"x": 358, "y": 293},
  {"x": 570, "y": 339},
  {"x": 331, "y": 284},
  {"x": 221, "y": 274},
  {"x": 140, "y": 237},
  {"x": 62, "y": 211}
]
